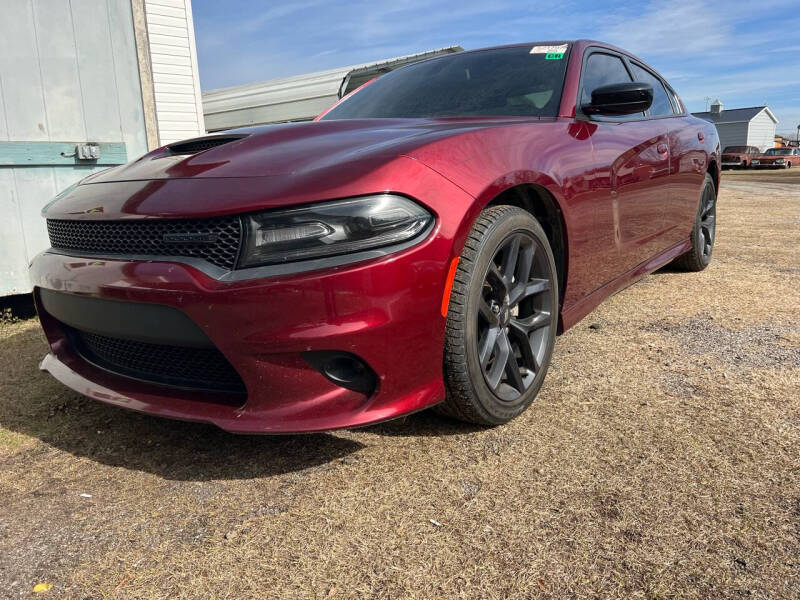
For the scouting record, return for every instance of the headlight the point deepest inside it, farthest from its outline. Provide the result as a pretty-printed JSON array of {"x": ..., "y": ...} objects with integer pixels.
[
  {"x": 780, "y": 160},
  {"x": 331, "y": 228}
]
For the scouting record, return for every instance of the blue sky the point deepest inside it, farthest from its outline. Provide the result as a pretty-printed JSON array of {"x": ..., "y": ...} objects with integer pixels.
[{"x": 730, "y": 49}]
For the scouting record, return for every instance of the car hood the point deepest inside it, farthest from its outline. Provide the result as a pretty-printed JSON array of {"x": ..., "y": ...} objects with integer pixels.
[
  {"x": 285, "y": 165},
  {"x": 295, "y": 148}
]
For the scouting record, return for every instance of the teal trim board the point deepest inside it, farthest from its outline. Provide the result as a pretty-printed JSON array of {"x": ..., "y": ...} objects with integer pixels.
[{"x": 37, "y": 154}]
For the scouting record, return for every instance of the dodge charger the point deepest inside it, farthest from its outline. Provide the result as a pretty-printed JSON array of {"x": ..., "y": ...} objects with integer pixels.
[{"x": 420, "y": 244}]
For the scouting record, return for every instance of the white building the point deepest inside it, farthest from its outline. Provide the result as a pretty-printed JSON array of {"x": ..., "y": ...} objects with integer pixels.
[
  {"x": 754, "y": 126},
  {"x": 84, "y": 85},
  {"x": 298, "y": 98}
]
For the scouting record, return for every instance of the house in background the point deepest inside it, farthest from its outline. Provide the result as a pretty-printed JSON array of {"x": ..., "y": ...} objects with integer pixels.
[
  {"x": 754, "y": 126},
  {"x": 297, "y": 98},
  {"x": 84, "y": 85}
]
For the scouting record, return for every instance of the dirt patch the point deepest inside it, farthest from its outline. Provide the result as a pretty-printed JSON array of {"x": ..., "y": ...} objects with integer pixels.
[
  {"x": 761, "y": 345},
  {"x": 660, "y": 461}
]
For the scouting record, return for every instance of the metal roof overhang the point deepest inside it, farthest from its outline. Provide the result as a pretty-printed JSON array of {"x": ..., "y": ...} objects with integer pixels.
[{"x": 297, "y": 98}]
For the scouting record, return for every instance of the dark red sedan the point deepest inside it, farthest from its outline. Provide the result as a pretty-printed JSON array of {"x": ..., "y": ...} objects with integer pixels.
[{"x": 421, "y": 244}]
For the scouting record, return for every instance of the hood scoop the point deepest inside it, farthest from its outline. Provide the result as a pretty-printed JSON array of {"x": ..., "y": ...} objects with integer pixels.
[{"x": 201, "y": 144}]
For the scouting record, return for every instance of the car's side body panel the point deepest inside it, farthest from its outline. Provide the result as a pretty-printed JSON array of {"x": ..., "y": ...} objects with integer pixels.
[{"x": 631, "y": 200}]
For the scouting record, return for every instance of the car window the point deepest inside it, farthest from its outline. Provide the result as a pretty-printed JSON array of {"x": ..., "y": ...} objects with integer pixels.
[
  {"x": 603, "y": 69},
  {"x": 676, "y": 102},
  {"x": 661, "y": 106},
  {"x": 513, "y": 81}
]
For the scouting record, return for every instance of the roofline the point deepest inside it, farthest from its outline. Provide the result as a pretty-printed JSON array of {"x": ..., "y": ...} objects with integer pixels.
[
  {"x": 763, "y": 108},
  {"x": 234, "y": 90},
  {"x": 771, "y": 115}
]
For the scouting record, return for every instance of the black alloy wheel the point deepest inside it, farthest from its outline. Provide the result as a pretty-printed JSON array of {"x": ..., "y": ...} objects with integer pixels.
[
  {"x": 514, "y": 316},
  {"x": 502, "y": 318},
  {"x": 708, "y": 218},
  {"x": 704, "y": 232}
]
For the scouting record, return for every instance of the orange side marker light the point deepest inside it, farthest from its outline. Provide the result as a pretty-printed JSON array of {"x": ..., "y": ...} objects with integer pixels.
[{"x": 448, "y": 285}]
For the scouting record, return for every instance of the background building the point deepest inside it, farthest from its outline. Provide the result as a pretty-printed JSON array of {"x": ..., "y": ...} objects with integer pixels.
[
  {"x": 754, "y": 126},
  {"x": 298, "y": 98},
  {"x": 84, "y": 85}
]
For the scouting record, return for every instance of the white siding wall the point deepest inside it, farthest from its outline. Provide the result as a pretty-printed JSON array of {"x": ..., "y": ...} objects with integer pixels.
[
  {"x": 68, "y": 72},
  {"x": 173, "y": 57},
  {"x": 762, "y": 131},
  {"x": 732, "y": 134}
]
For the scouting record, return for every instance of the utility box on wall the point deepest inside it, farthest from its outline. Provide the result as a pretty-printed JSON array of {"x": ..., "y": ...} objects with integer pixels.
[{"x": 84, "y": 85}]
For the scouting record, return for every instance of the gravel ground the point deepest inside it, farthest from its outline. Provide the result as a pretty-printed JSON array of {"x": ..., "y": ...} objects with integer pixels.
[{"x": 661, "y": 460}]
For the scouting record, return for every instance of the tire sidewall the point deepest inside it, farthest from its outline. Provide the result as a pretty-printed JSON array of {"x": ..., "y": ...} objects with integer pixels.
[
  {"x": 697, "y": 242},
  {"x": 495, "y": 409}
]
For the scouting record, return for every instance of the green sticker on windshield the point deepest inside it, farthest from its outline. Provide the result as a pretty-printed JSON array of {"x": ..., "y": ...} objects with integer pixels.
[{"x": 554, "y": 56}]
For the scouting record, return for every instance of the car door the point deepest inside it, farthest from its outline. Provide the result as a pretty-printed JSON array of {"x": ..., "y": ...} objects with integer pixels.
[
  {"x": 677, "y": 194},
  {"x": 632, "y": 167}
]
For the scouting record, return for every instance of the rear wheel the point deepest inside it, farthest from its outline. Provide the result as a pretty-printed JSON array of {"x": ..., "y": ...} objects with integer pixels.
[
  {"x": 704, "y": 231},
  {"x": 501, "y": 321}
]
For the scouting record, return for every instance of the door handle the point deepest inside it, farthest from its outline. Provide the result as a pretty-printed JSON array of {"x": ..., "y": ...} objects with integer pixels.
[{"x": 662, "y": 148}]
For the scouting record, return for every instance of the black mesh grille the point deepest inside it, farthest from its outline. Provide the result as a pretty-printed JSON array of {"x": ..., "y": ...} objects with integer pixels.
[
  {"x": 201, "y": 368},
  {"x": 198, "y": 145},
  {"x": 216, "y": 240}
]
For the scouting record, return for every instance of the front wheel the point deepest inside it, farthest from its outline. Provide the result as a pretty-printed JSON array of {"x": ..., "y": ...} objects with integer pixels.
[
  {"x": 501, "y": 320},
  {"x": 703, "y": 232}
]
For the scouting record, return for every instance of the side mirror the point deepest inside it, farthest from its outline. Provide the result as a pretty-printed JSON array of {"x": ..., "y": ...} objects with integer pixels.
[{"x": 620, "y": 99}]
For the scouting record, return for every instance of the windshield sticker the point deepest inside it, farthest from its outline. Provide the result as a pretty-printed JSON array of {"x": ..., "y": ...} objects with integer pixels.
[
  {"x": 560, "y": 49},
  {"x": 554, "y": 56}
]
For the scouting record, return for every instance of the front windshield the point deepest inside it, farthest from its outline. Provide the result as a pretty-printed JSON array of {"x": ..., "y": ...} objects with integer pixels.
[
  {"x": 514, "y": 81},
  {"x": 779, "y": 151},
  {"x": 736, "y": 149}
]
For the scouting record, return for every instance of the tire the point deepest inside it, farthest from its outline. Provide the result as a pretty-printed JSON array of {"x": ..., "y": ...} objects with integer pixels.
[
  {"x": 703, "y": 232},
  {"x": 490, "y": 306},
  {"x": 788, "y": 165}
]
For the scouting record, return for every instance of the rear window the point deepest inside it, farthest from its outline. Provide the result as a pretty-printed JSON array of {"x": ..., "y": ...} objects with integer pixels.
[{"x": 501, "y": 82}]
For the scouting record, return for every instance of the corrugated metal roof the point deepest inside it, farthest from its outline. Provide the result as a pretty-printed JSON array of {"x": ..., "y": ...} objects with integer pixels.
[
  {"x": 296, "y": 98},
  {"x": 735, "y": 115}
]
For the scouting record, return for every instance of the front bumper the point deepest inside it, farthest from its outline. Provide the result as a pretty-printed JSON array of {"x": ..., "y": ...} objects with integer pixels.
[
  {"x": 387, "y": 312},
  {"x": 733, "y": 160}
]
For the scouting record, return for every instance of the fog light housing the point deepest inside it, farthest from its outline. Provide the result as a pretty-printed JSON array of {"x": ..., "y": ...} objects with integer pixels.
[{"x": 344, "y": 369}]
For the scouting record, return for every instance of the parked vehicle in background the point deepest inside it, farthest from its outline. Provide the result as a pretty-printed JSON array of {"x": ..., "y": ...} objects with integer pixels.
[
  {"x": 738, "y": 157},
  {"x": 778, "y": 158},
  {"x": 420, "y": 244}
]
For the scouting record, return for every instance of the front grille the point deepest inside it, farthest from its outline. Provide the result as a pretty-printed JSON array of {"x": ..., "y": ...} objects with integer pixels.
[
  {"x": 199, "y": 368},
  {"x": 215, "y": 240}
]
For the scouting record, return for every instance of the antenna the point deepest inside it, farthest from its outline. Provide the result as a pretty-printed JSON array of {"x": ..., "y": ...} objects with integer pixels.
[{"x": 707, "y": 99}]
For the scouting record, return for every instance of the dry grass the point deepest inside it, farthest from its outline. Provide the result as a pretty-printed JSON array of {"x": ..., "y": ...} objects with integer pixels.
[{"x": 662, "y": 460}]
